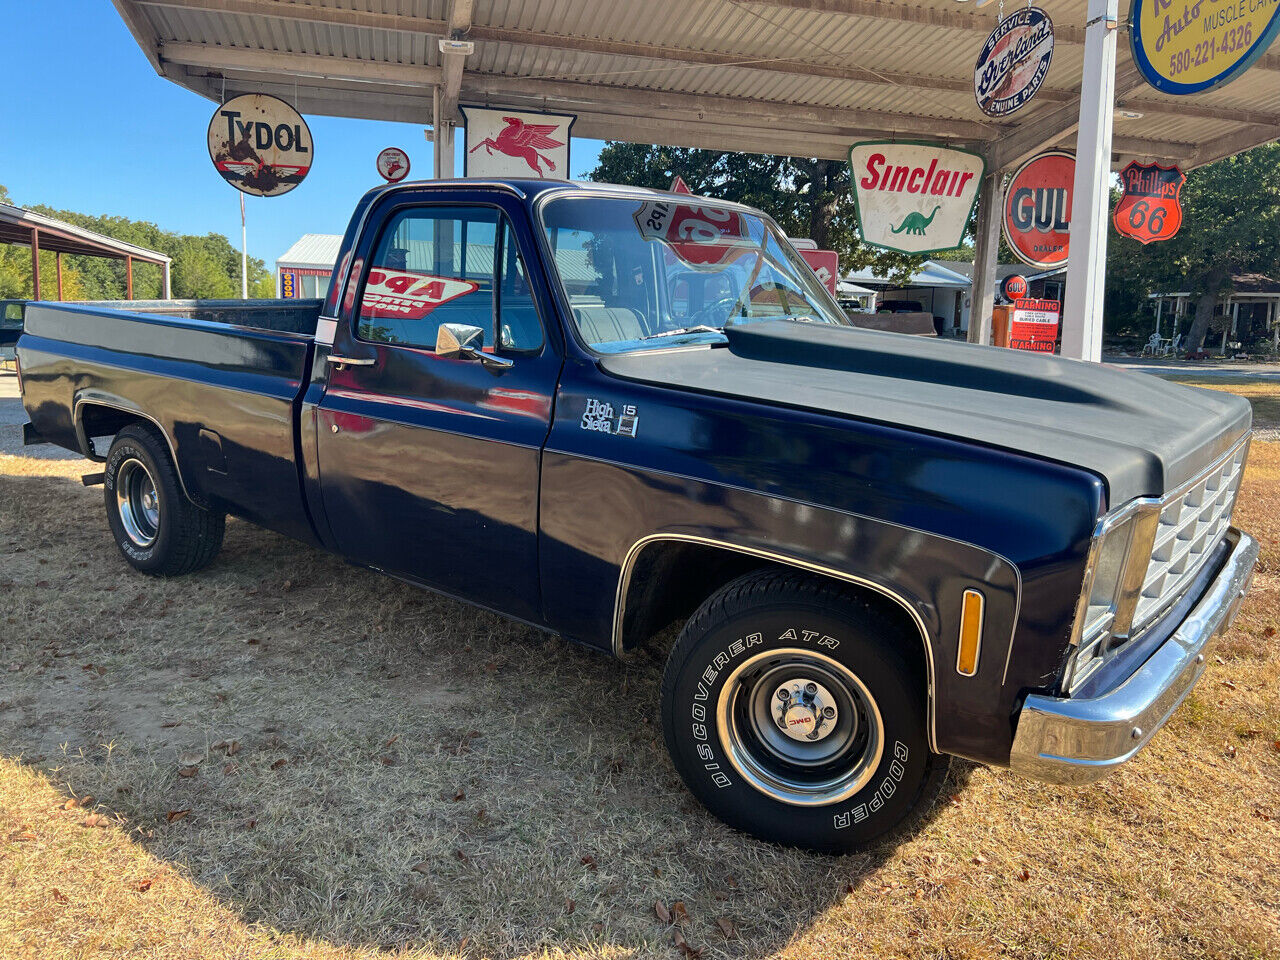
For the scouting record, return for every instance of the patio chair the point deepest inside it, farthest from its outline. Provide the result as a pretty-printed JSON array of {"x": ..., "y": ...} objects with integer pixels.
[
  {"x": 1152, "y": 345},
  {"x": 1171, "y": 346}
]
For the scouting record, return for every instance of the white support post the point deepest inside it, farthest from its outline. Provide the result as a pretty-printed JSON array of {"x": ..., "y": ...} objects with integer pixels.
[
  {"x": 1091, "y": 191},
  {"x": 1159, "y": 305},
  {"x": 441, "y": 138},
  {"x": 986, "y": 251},
  {"x": 168, "y": 290}
]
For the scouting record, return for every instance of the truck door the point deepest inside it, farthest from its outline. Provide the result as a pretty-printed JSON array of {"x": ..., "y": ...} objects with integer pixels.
[{"x": 429, "y": 466}]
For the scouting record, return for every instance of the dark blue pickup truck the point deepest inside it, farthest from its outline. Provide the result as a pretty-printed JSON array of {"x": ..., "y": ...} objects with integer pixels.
[{"x": 603, "y": 411}]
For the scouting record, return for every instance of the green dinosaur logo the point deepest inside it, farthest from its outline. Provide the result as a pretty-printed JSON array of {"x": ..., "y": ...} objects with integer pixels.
[{"x": 916, "y": 223}]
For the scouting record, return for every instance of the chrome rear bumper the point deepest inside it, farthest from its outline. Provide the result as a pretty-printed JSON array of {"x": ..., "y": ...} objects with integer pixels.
[{"x": 1066, "y": 740}]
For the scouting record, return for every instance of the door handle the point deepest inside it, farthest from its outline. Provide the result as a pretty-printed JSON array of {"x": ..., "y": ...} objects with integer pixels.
[{"x": 350, "y": 361}]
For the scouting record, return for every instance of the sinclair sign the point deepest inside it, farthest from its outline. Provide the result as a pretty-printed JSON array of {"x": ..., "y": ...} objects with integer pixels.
[
  {"x": 914, "y": 197},
  {"x": 1037, "y": 209}
]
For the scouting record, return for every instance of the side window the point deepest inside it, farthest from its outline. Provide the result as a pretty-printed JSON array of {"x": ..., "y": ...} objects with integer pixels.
[
  {"x": 518, "y": 324},
  {"x": 432, "y": 265}
]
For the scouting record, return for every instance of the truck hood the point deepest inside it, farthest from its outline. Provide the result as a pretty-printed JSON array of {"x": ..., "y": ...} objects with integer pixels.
[{"x": 1142, "y": 435}]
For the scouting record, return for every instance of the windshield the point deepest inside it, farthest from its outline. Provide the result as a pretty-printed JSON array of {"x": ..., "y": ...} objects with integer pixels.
[{"x": 648, "y": 273}]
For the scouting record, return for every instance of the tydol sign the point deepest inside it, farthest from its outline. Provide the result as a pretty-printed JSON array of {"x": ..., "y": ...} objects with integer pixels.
[{"x": 260, "y": 145}]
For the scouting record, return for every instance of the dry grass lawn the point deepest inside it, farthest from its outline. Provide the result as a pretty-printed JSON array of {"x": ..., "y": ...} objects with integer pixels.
[
  {"x": 286, "y": 757},
  {"x": 1263, "y": 394}
]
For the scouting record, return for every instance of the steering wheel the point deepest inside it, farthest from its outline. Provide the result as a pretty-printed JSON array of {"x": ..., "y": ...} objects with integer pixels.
[{"x": 713, "y": 314}]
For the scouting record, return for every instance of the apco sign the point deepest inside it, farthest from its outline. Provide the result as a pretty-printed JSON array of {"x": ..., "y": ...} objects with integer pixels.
[
  {"x": 1034, "y": 325},
  {"x": 260, "y": 145},
  {"x": 1013, "y": 62},
  {"x": 393, "y": 164},
  {"x": 825, "y": 265},
  {"x": 914, "y": 197},
  {"x": 1037, "y": 209},
  {"x": 512, "y": 143},
  {"x": 1186, "y": 46},
  {"x": 1150, "y": 209}
]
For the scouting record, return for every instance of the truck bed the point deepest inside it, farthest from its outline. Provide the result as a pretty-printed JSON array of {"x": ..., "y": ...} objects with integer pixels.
[{"x": 222, "y": 379}]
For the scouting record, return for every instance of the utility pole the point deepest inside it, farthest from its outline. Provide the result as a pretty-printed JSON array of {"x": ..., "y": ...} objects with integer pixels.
[{"x": 244, "y": 255}]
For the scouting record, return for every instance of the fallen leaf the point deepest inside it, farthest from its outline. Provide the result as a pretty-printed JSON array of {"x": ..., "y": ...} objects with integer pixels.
[
  {"x": 175, "y": 815},
  {"x": 1275, "y": 745},
  {"x": 679, "y": 914},
  {"x": 1230, "y": 751},
  {"x": 229, "y": 769},
  {"x": 142, "y": 886},
  {"x": 727, "y": 927},
  {"x": 1229, "y": 685},
  {"x": 391, "y": 741},
  {"x": 569, "y": 905},
  {"x": 661, "y": 910},
  {"x": 22, "y": 836},
  {"x": 1261, "y": 815},
  {"x": 387, "y": 760},
  {"x": 461, "y": 856},
  {"x": 421, "y": 867},
  {"x": 683, "y": 945},
  {"x": 188, "y": 771},
  {"x": 731, "y": 881},
  {"x": 1269, "y": 632},
  {"x": 70, "y": 804},
  {"x": 250, "y": 824},
  {"x": 589, "y": 862},
  {"x": 170, "y": 723},
  {"x": 1025, "y": 875},
  {"x": 95, "y": 820},
  {"x": 279, "y": 763},
  {"x": 190, "y": 758},
  {"x": 58, "y": 895},
  {"x": 979, "y": 859},
  {"x": 459, "y": 795}
]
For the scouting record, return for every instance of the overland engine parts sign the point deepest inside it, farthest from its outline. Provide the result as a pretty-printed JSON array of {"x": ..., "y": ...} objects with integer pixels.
[
  {"x": 515, "y": 143},
  {"x": 1187, "y": 46},
  {"x": 914, "y": 197},
  {"x": 1013, "y": 62},
  {"x": 260, "y": 145},
  {"x": 1150, "y": 209},
  {"x": 1037, "y": 209}
]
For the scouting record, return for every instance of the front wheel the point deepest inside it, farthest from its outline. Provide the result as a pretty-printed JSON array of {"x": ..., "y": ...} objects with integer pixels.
[
  {"x": 157, "y": 528},
  {"x": 795, "y": 712}
]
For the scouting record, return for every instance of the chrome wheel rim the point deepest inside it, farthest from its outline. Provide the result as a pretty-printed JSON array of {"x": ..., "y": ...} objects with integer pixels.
[
  {"x": 820, "y": 750},
  {"x": 137, "y": 503}
]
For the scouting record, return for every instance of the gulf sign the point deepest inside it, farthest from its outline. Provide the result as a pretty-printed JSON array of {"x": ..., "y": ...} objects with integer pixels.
[
  {"x": 914, "y": 197},
  {"x": 1014, "y": 287},
  {"x": 1188, "y": 46},
  {"x": 1037, "y": 209},
  {"x": 260, "y": 145}
]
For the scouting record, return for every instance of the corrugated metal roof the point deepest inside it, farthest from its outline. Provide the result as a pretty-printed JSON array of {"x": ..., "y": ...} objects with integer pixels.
[
  {"x": 16, "y": 224},
  {"x": 316, "y": 250},
  {"x": 901, "y": 67}
]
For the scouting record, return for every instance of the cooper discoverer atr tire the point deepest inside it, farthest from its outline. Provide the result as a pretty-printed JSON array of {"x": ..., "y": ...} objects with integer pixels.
[
  {"x": 794, "y": 712},
  {"x": 157, "y": 528}
]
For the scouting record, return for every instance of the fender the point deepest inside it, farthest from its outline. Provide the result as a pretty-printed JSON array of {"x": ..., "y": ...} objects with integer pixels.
[{"x": 88, "y": 398}]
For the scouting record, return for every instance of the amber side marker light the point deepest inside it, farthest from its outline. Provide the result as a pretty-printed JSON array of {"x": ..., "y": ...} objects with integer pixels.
[{"x": 971, "y": 609}]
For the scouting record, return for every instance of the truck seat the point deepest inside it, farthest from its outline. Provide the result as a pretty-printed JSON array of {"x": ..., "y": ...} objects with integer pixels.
[{"x": 609, "y": 324}]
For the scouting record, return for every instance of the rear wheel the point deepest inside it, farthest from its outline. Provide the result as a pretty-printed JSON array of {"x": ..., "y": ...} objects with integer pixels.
[
  {"x": 157, "y": 528},
  {"x": 795, "y": 712}
]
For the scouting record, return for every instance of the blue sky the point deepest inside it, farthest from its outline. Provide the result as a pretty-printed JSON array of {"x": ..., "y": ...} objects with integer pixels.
[{"x": 93, "y": 128}]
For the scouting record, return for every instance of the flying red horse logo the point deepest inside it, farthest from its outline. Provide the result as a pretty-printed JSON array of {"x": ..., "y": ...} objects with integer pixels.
[{"x": 523, "y": 141}]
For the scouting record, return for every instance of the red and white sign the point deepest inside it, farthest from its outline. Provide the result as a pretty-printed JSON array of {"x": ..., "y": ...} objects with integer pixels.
[
  {"x": 403, "y": 295},
  {"x": 393, "y": 164},
  {"x": 1151, "y": 208},
  {"x": 260, "y": 145},
  {"x": 701, "y": 236},
  {"x": 914, "y": 197},
  {"x": 679, "y": 186},
  {"x": 825, "y": 264},
  {"x": 516, "y": 143},
  {"x": 1014, "y": 287},
  {"x": 1034, "y": 325},
  {"x": 1037, "y": 209}
]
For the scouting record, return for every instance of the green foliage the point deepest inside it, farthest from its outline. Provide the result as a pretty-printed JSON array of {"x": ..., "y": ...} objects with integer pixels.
[
  {"x": 807, "y": 197},
  {"x": 1231, "y": 225},
  {"x": 204, "y": 267}
]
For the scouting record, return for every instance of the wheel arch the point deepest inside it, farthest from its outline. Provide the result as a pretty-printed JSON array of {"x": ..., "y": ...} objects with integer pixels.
[
  {"x": 635, "y": 618},
  {"x": 98, "y": 417}
]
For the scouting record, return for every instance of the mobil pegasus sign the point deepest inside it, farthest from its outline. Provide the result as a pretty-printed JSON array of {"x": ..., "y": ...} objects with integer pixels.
[{"x": 914, "y": 197}]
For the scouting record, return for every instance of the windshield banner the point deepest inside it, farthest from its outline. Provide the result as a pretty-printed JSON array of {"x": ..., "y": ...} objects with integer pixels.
[
  {"x": 702, "y": 236},
  {"x": 914, "y": 197}
]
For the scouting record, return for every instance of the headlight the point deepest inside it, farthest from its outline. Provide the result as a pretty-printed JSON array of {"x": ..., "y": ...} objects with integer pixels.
[{"x": 1113, "y": 578}]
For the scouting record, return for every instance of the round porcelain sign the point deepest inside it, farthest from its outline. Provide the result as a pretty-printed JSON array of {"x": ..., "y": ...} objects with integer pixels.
[
  {"x": 1014, "y": 287},
  {"x": 1014, "y": 62},
  {"x": 393, "y": 164},
  {"x": 1037, "y": 209},
  {"x": 260, "y": 145},
  {"x": 1185, "y": 47}
]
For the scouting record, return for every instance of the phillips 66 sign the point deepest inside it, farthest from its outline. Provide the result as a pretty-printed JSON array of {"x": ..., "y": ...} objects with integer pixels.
[
  {"x": 914, "y": 197},
  {"x": 260, "y": 145},
  {"x": 1151, "y": 208}
]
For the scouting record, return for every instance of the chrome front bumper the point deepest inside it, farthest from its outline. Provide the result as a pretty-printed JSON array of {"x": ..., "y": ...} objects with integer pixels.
[{"x": 1078, "y": 740}]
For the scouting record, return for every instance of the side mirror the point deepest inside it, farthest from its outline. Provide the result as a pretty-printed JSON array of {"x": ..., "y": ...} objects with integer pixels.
[{"x": 456, "y": 341}]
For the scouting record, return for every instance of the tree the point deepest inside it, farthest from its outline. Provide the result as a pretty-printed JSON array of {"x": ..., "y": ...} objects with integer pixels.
[
  {"x": 1231, "y": 225},
  {"x": 807, "y": 197},
  {"x": 204, "y": 267}
]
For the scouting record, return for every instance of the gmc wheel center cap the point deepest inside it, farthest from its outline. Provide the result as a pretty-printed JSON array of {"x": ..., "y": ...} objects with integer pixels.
[{"x": 804, "y": 710}]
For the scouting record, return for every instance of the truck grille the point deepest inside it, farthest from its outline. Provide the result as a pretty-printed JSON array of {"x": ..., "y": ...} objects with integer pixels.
[{"x": 1192, "y": 522}]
